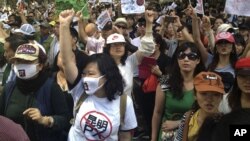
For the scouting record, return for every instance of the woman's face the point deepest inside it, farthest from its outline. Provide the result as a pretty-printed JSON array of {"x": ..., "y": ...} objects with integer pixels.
[
  {"x": 117, "y": 50},
  {"x": 188, "y": 60},
  {"x": 217, "y": 23},
  {"x": 92, "y": 70},
  {"x": 209, "y": 101},
  {"x": 244, "y": 83},
  {"x": 239, "y": 48},
  {"x": 224, "y": 48}
]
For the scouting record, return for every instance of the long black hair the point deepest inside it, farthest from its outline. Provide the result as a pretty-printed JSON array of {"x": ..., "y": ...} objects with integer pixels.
[
  {"x": 233, "y": 58},
  {"x": 234, "y": 97},
  {"x": 176, "y": 78},
  {"x": 107, "y": 66}
]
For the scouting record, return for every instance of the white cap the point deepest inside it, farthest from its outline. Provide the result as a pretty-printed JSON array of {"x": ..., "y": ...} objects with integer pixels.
[
  {"x": 223, "y": 28},
  {"x": 115, "y": 38},
  {"x": 26, "y": 29}
]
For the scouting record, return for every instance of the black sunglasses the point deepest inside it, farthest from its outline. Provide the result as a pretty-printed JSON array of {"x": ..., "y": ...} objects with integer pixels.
[{"x": 191, "y": 56}]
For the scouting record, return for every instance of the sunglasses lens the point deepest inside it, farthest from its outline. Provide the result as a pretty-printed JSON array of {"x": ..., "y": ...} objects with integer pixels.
[{"x": 191, "y": 56}]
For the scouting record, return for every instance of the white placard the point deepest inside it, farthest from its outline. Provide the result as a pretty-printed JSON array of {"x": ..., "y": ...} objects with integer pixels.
[
  {"x": 132, "y": 6},
  {"x": 102, "y": 19},
  {"x": 199, "y": 7},
  {"x": 4, "y": 17},
  {"x": 238, "y": 7}
]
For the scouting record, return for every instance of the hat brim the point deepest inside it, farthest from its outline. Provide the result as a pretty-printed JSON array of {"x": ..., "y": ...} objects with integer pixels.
[
  {"x": 209, "y": 88},
  {"x": 225, "y": 40},
  {"x": 244, "y": 72},
  {"x": 23, "y": 57},
  {"x": 20, "y": 31}
]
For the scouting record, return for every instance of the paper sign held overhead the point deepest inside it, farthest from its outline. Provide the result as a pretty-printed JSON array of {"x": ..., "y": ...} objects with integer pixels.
[
  {"x": 102, "y": 19},
  {"x": 238, "y": 7},
  {"x": 199, "y": 7},
  {"x": 132, "y": 6}
]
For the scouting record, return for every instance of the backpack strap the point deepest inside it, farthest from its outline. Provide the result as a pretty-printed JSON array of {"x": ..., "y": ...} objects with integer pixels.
[
  {"x": 188, "y": 116},
  {"x": 123, "y": 105},
  {"x": 82, "y": 98}
]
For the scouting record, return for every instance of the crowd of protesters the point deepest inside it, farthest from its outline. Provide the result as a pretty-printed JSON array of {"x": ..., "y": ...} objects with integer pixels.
[{"x": 167, "y": 74}]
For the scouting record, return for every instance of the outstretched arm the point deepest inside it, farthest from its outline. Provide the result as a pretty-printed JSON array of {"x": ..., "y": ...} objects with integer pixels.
[
  {"x": 68, "y": 57},
  {"x": 147, "y": 41}
]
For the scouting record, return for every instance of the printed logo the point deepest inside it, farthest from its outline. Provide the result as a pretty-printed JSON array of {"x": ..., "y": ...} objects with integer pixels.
[
  {"x": 21, "y": 73},
  {"x": 96, "y": 126}
]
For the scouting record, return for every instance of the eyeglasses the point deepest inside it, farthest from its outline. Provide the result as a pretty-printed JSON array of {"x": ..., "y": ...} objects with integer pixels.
[
  {"x": 120, "y": 26},
  {"x": 191, "y": 56}
]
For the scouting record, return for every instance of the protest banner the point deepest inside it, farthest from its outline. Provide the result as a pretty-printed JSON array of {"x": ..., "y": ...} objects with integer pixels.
[
  {"x": 238, "y": 7},
  {"x": 102, "y": 19},
  {"x": 132, "y": 6},
  {"x": 199, "y": 7}
]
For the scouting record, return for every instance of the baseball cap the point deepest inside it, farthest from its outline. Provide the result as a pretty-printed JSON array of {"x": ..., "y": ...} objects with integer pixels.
[
  {"x": 242, "y": 66},
  {"x": 208, "y": 81},
  {"x": 225, "y": 36},
  {"x": 121, "y": 20},
  {"x": 224, "y": 28},
  {"x": 29, "y": 52},
  {"x": 115, "y": 38},
  {"x": 26, "y": 29}
]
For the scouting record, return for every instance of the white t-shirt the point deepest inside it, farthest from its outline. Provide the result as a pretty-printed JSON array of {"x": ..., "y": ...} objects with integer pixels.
[
  {"x": 127, "y": 72},
  {"x": 95, "y": 45},
  {"x": 99, "y": 118}
]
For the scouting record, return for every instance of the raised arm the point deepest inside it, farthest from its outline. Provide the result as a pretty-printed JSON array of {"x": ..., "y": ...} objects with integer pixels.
[
  {"x": 68, "y": 57},
  {"x": 147, "y": 41},
  {"x": 197, "y": 38},
  {"x": 183, "y": 29}
]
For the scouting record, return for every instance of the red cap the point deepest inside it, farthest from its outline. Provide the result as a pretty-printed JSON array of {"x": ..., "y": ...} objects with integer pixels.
[
  {"x": 224, "y": 36},
  {"x": 243, "y": 66}
]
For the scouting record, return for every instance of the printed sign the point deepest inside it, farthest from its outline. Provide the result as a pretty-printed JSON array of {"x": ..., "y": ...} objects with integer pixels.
[
  {"x": 238, "y": 7},
  {"x": 132, "y": 6},
  {"x": 199, "y": 7},
  {"x": 102, "y": 19}
]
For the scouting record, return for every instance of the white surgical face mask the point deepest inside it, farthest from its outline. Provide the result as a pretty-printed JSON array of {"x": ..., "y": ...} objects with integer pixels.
[
  {"x": 90, "y": 84},
  {"x": 25, "y": 71}
]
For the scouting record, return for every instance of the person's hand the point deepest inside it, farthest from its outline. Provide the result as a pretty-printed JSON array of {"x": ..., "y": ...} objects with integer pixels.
[
  {"x": 156, "y": 70},
  {"x": 169, "y": 125},
  {"x": 177, "y": 21},
  {"x": 34, "y": 114},
  {"x": 150, "y": 16},
  {"x": 66, "y": 17}
]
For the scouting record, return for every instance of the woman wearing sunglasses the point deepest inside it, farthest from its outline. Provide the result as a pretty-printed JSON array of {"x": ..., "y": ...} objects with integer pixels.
[{"x": 174, "y": 96}]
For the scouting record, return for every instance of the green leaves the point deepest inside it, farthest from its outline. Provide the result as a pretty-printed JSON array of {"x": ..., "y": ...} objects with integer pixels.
[{"x": 69, "y": 4}]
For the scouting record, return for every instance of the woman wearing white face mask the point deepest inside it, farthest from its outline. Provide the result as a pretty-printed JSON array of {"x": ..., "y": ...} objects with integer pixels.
[
  {"x": 97, "y": 94},
  {"x": 34, "y": 100}
]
